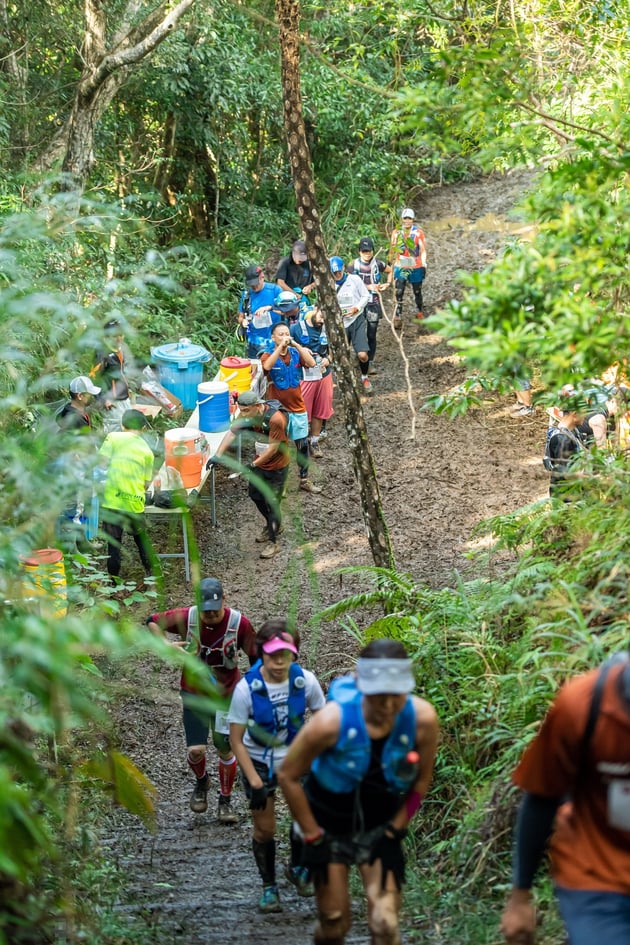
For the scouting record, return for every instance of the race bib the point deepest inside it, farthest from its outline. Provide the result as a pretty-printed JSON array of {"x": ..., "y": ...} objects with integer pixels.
[
  {"x": 619, "y": 804},
  {"x": 262, "y": 321},
  {"x": 406, "y": 262},
  {"x": 312, "y": 373},
  {"x": 259, "y": 448},
  {"x": 221, "y": 723}
]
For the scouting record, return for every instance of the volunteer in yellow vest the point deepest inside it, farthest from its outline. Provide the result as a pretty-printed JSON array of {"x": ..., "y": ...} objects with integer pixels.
[{"x": 129, "y": 461}]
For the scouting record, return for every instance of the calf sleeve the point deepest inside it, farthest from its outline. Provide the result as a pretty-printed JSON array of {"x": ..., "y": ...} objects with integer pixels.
[
  {"x": 198, "y": 767},
  {"x": 265, "y": 856},
  {"x": 227, "y": 774}
]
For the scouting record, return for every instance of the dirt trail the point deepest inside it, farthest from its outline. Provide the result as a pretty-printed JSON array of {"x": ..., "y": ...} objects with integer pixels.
[{"x": 194, "y": 881}]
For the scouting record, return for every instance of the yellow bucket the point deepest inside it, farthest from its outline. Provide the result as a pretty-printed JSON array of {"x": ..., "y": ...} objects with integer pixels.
[
  {"x": 45, "y": 579},
  {"x": 236, "y": 373}
]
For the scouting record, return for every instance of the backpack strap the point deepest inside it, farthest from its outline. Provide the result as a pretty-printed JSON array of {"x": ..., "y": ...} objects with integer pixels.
[
  {"x": 596, "y": 702},
  {"x": 192, "y": 630}
]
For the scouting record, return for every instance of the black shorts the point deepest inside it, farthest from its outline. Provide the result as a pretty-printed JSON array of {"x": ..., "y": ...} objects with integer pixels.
[{"x": 270, "y": 781}]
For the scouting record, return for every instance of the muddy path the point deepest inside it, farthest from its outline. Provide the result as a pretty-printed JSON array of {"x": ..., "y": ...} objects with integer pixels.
[{"x": 194, "y": 881}]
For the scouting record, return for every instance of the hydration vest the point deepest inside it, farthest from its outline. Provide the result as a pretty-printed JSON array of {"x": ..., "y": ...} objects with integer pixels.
[
  {"x": 341, "y": 768},
  {"x": 228, "y": 646},
  {"x": 370, "y": 274},
  {"x": 284, "y": 376},
  {"x": 262, "y": 724}
]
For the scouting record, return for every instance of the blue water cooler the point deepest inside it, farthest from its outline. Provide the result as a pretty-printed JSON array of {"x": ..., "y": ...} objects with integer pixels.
[{"x": 180, "y": 369}]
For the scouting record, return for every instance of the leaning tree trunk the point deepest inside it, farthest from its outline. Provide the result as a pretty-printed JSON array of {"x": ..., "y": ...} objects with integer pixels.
[
  {"x": 288, "y": 15},
  {"x": 104, "y": 72}
]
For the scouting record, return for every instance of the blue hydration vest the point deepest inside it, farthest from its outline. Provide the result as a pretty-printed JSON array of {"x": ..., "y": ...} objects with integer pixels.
[
  {"x": 285, "y": 376},
  {"x": 262, "y": 725},
  {"x": 340, "y": 769}
]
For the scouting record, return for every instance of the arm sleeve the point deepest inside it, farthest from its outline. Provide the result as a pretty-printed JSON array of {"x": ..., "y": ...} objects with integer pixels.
[{"x": 533, "y": 829}]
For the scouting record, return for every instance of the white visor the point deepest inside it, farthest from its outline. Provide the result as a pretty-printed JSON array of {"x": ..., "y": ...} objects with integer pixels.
[{"x": 384, "y": 676}]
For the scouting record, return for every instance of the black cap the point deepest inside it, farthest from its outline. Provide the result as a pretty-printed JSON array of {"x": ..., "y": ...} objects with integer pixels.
[
  {"x": 211, "y": 594},
  {"x": 133, "y": 420},
  {"x": 366, "y": 245},
  {"x": 252, "y": 275},
  {"x": 298, "y": 250}
]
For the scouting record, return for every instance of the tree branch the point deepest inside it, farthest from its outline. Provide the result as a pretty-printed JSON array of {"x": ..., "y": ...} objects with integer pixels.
[{"x": 148, "y": 35}]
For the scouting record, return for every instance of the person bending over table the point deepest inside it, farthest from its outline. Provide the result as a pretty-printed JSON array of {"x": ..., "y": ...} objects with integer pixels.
[{"x": 266, "y": 425}]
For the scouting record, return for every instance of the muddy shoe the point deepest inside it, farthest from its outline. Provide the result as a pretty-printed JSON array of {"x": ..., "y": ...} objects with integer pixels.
[
  {"x": 397, "y": 322},
  {"x": 271, "y": 550},
  {"x": 307, "y": 486},
  {"x": 199, "y": 797},
  {"x": 367, "y": 384},
  {"x": 298, "y": 876},
  {"x": 269, "y": 901},
  {"x": 372, "y": 369},
  {"x": 315, "y": 451},
  {"x": 225, "y": 814},
  {"x": 263, "y": 537}
]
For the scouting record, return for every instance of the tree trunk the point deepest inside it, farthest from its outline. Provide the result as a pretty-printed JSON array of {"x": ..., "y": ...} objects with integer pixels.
[
  {"x": 104, "y": 72},
  {"x": 288, "y": 16}
]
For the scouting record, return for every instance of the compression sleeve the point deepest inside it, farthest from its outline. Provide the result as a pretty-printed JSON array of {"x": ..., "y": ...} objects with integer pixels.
[{"x": 533, "y": 829}]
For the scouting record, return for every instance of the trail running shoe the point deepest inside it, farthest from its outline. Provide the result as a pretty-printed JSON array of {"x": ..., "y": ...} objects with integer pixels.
[
  {"x": 307, "y": 486},
  {"x": 269, "y": 901},
  {"x": 199, "y": 797},
  {"x": 315, "y": 451},
  {"x": 523, "y": 411},
  {"x": 298, "y": 876},
  {"x": 367, "y": 384},
  {"x": 226, "y": 814},
  {"x": 397, "y": 321},
  {"x": 270, "y": 550}
]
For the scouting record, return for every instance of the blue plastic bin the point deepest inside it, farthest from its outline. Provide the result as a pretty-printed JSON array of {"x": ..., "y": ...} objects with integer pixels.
[{"x": 180, "y": 369}]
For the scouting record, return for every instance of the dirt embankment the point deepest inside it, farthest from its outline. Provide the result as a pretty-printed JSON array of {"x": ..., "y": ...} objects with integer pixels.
[{"x": 194, "y": 881}]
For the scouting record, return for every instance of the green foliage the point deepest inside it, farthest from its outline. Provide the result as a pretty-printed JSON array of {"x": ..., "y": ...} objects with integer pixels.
[{"x": 489, "y": 655}]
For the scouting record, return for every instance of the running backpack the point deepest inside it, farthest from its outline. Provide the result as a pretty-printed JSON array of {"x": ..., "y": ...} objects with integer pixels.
[
  {"x": 270, "y": 408},
  {"x": 548, "y": 461},
  {"x": 228, "y": 645}
]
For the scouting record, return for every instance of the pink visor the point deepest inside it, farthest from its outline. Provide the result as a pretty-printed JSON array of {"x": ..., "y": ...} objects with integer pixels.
[{"x": 279, "y": 643}]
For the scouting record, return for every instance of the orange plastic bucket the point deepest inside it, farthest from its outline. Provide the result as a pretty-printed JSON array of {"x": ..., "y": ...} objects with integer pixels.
[
  {"x": 236, "y": 372},
  {"x": 45, "y": 579},
  {"x": 184, "y": 450}
]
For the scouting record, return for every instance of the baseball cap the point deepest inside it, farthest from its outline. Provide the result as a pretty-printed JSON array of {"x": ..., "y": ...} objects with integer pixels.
[
  {"x": 408, "y": 212},
  {"x": 248, "y": 398},
  {"x": 83, "y": 385},
  {"x": 386, "y": 675},
  {"x": 298, "y": 250},
  {"x": 285, "y": 642},
  {"x": 211, "y": 594},
  {"x": 286, "y": 302},
  {"x": 133, "y": 420},
  {"x": 252, "y": 275},
  {"x": 366, "y": 245}
]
